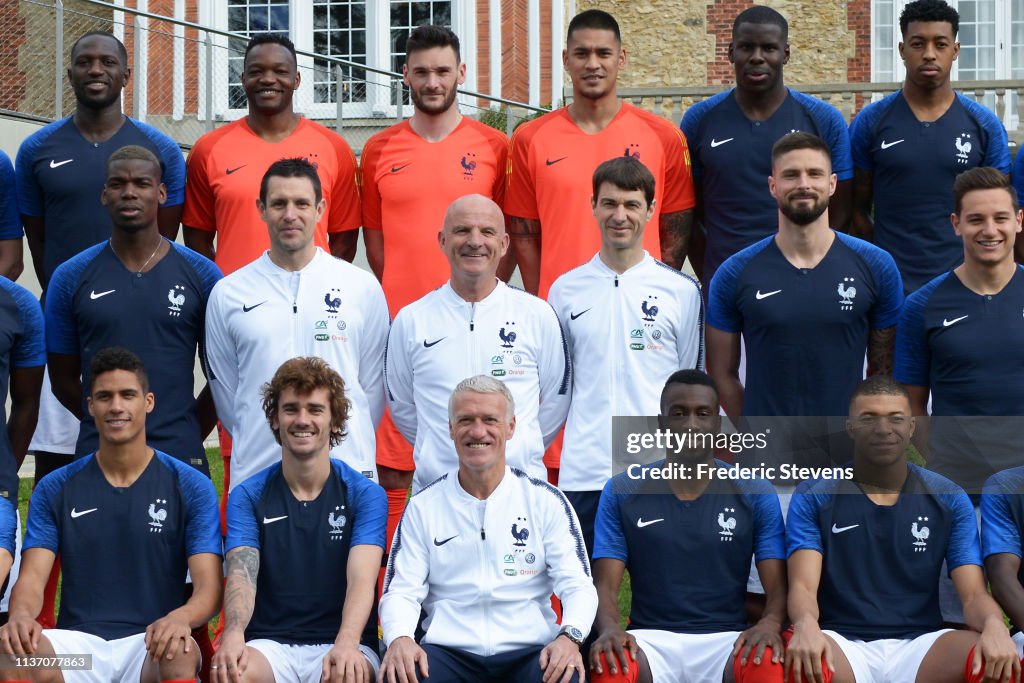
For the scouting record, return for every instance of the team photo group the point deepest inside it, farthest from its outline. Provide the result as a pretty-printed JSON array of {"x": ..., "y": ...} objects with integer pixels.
[{"x": 425, "y": 471}]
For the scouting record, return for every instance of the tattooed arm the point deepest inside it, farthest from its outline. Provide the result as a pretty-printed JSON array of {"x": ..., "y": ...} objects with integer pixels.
[
  {"x": 525, "y": 234},
  {"x": 231, "y": 660},
  {"x": 674, "y": 229},
  {"x": 881, "y": 351}
]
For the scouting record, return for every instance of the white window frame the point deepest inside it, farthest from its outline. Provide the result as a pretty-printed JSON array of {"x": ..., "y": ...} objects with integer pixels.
[
  {"x": 1003, "y": 47},
  {"x": 378, "y": 55}
]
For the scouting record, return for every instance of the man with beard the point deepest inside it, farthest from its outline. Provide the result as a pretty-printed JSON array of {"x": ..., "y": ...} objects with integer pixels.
[
  {"x": 808, "y": 301},
  {"x": 695, "y": 627},
  {"x": 451, "y": 154}
]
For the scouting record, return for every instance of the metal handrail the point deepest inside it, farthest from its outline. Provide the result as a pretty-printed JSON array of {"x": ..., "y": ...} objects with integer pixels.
[{"x": 327, "y": 58}]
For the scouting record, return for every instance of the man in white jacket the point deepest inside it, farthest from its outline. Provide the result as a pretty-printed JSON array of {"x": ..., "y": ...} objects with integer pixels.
[
  {"x": 630, "y": 320},
  {"x": 481, "y": 550},
  {"x": 295, "y": 300},
  {"x": 476, "y": 325}
]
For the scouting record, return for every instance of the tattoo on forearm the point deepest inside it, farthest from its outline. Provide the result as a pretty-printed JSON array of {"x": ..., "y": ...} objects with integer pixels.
[
  {"x": 524, "y": 228},
  {"x": 240, "y": 594},
  {"x": 674, "y": 230},
  {"x": 881, "y": 351}
]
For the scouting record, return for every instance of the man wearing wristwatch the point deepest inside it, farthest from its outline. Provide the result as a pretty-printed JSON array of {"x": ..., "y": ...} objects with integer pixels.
[{"x": 481, "y": 550}]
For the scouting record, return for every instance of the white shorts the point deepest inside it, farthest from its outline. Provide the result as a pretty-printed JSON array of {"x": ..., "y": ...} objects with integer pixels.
[
  {"x": 56, "y": 429},
  {"x": 686, "y": 657},
  {"x": 302, "y": 663},
  {"x": 1018, "y": 640},
  {"x": 891, "y": 660},
  {"x": 785, "y": 494},
  {"x": 113, "y": 661}
]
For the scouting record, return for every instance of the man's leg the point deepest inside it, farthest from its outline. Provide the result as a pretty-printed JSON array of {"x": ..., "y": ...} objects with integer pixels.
[
  {"x": 20, "y": 674},
  {"x": 99, "y": 670},
  {"x": 448, "y": 665},
  {"x": 940, "y": 657},
  {"x": 137, "y": 665},
  {"x": 852, "y": 659},
  {"x": 271, "y": 662},
  {"x": 518, "y": 666}
]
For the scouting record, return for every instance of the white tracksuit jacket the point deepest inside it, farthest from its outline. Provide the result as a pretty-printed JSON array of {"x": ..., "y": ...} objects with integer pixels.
[
  {"x": 441, "y": 339},
  {"x": 484, "y": 570},
  {"x": 261, "y": 315},
  {"x": 627, "y": 333}
]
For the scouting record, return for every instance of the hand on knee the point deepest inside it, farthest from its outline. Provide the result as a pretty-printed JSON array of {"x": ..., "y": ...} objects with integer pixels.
[{"x": 969, "y": 675}]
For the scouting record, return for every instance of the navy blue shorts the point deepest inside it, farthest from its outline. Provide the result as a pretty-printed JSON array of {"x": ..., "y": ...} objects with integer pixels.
[{"x": 448, "y": 665}]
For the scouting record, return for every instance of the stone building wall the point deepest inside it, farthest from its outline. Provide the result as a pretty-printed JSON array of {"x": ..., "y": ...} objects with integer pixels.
[{"x": 673, "y": 43}]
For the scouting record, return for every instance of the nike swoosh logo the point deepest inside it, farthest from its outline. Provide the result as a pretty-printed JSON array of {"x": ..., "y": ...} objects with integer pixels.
[
  {"x": 271, "y": 520},
  {"x": 75, "y": 514},
  {"x": 427, "y": 345},
  {"x": 246, "y": 309},
  {"x": 96, "y": 295},
  {"x": 947, "y": 323},
  {"x": 232, "y": 170},
  {"x": 640, "y": 523},
  {"x": 841, "y": 529},
  {"x": 396, "y": 169},
  {"x": 440, "y": 543},
  {"x": 573, "y": 316},
  {"x": 765, "y": 295},
  {"x": 887, "y": 145},
  {"x": 58, "y": 164},
  {"x": 552, "y": 162},
  {"x": 717, "y": 143}
]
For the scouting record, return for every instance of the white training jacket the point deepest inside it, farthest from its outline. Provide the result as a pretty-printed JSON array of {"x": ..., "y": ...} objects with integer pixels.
[
  {"x": 441, "y": 339},
  {"x": 260, "y": 316},
  {"x": 484, "y": 570},
  {"x": 627, "y": 333}
]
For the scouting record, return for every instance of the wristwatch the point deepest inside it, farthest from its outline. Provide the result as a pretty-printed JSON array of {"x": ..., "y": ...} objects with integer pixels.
[{"x": 572, "y": 633}]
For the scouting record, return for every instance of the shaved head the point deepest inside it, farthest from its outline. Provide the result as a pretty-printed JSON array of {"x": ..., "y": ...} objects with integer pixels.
[{"x": 475, "y": 204}]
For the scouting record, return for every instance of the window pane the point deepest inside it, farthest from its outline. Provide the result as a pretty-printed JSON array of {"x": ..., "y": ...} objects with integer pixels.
[
  {"x": 406, "y": 16},
  {"x": 342, "y": 34},
  {"x": 249, "y": 17},
  {"x": 279, "y": 18}
]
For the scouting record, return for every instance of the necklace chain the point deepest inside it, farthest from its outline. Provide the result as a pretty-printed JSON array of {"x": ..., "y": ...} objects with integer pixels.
[{"x": 139, "y": 271}]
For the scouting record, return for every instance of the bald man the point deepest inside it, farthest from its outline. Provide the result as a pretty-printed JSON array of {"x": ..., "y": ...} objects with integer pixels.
[{"x": 475, "y": 324}]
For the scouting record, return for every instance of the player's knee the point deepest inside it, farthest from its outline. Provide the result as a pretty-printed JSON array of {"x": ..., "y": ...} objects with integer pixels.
[
  {"x": 183, "y": 666},
  {"x": 765, "y": 672},
  {"x": 621, "y": 677}
]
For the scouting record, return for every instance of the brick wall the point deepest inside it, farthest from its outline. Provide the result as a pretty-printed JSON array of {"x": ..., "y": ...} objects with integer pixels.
[
  {"x": 514, "y": 57},
  {"x": 12, "y": 85},
  {"x": 720, "y": 16}
]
